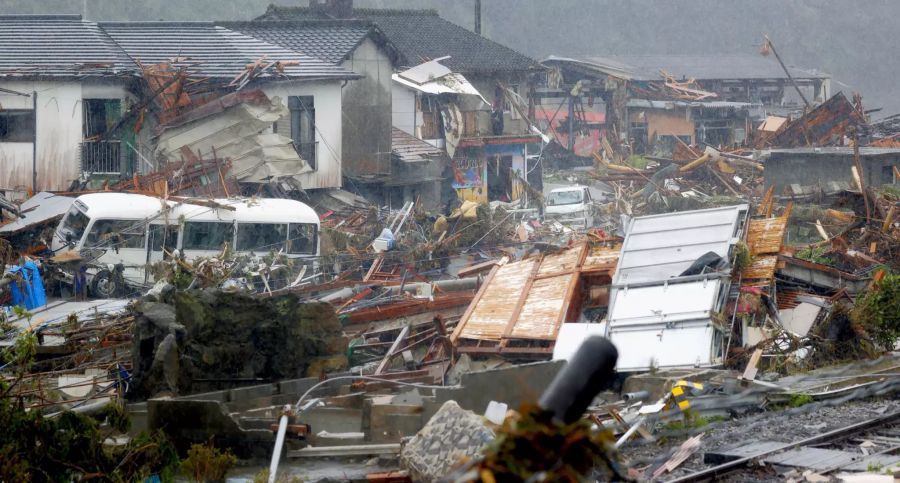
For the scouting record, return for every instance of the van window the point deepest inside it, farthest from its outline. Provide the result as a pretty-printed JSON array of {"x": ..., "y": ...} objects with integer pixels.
[
  {"x": 203, "y": 235},
  {"x": 116, "y": 234},
  {"x": 161, "y": 236},
  {"x": 261, "y": 237},
  {"x": 302, "y": 239},
  {"x": 74, "y": 225}
]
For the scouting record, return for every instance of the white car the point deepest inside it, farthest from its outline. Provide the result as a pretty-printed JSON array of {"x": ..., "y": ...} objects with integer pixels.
[{"x": 571, "y": 206}]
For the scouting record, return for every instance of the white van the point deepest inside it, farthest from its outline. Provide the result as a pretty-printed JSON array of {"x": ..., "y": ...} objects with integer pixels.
[
  {"x": 132, "y": 230},
  {"x": 571, "y": 206}
]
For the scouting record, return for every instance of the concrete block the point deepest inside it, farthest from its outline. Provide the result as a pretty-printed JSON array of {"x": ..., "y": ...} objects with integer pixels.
[{"x": 251, "y": 392}]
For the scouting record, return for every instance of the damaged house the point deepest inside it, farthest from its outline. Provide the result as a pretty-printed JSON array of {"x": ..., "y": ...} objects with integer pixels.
[
  {"x": 101, "y": 102},
  {"x": 290, "y": 128},
  {"x": 63, "y": 85},
  {"x": 456, "y": 90},
  {"x": 649, "y": 100}
]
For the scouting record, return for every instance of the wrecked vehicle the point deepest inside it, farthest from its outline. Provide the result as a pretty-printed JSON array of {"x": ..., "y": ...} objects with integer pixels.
[
  {"x": 120, "y": 234},
  {"x": 571, "y": 205}
]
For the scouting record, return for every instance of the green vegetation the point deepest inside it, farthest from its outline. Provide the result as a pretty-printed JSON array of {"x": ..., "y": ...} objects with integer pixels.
[
  {"x": 71, "y": 446},
  {"x": 878, "y": 312},
  {"x": 206, "y": 463},
  {"x": 814, "y": 254},
  {"x": 637, "y": 162},
  {"x": 742, "y": 257},
  {"x": 692, "y": 420}
]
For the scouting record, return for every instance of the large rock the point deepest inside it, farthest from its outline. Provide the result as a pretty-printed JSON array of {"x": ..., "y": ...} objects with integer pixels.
[
  {"x": 451, "y": 436},
  {"x": 220, "y": 336}
]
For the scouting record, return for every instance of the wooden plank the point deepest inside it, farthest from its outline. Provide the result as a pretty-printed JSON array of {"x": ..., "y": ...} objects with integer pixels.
[
  {"x": 468, "y": 313},
  {"x": 751, "y": 369},
  {"x": 390, "y": 354},
  {"x": 570, "y": 290},
  {"x": 475, "y": 269},
  {"x": 523, "y": 296}
]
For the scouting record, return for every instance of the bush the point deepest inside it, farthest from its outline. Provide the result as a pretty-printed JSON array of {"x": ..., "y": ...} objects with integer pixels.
[
  {"x": 206, "y": 463},
  {"x": 878, "y": 312}
]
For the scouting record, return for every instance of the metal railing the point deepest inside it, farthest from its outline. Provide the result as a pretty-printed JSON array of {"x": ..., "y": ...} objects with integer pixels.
[{"x": 101, "y": 157}]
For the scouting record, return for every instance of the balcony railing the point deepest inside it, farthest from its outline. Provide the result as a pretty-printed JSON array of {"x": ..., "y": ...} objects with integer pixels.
[{"x": 101, "y": 157}]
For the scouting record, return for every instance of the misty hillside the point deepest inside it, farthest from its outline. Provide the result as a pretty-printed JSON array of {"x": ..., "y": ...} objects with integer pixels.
[{"x": 847, "y": 38}]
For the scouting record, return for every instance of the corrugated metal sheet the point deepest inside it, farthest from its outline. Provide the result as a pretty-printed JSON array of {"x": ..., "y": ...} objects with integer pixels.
[
  {"x": 659, "y": 247},
  {"x": 212, "y": 51}
]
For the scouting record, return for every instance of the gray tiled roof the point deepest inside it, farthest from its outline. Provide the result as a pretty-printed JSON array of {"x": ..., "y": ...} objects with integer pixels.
[
  {"x": 58, "y": 46},
  {"x": 410, "y": 149},
  {"x": 214, "y": 51},
  {"x": 422, "y": 35},
  {"x": 327, "y": 40}
]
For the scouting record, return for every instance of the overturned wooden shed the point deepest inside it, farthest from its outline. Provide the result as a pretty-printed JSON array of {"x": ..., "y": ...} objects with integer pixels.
[{"x": 521, "y": 305}]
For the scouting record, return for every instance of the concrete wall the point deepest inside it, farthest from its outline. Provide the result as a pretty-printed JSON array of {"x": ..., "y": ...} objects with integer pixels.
[
  {"x": 806, "y": 169},
  {"x": 367, "y": 111},
  {"x": 59, "y": 132},
  {"x": 514, "y": 386},
  {"x": 329, "y": 124}
]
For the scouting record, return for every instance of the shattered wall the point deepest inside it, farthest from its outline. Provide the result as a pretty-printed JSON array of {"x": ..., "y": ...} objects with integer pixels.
[
  {"x": 367, "y": 111},
  {"x": 206, "y": 339}
]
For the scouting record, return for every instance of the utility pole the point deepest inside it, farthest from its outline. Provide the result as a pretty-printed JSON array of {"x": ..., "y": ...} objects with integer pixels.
[
  {"x": 770, "y": 46},
  {"x": 478, "y": 17}
]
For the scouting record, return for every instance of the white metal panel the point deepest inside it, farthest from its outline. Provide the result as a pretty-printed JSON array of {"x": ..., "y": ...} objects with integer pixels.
[
  {"x": 659, "y": 247},
  {"x": 684, "y": 344},
  {"x": 40, "y": 207},
  {"x": 571, "y": 336},
  {"x": 664, "y": 303}
]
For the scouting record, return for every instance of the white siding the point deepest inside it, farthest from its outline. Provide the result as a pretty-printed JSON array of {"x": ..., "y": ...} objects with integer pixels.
[
  {"x": 404, "y": 115},
  {"x": 327, "y": 100},
  {"x": 59, "y": 120}
]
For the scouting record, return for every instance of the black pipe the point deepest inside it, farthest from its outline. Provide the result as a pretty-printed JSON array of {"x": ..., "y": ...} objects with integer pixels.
[{"x": 589, "y": 371}]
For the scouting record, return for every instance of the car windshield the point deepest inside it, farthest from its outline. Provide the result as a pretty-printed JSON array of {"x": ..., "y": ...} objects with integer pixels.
[
  {"x": 557, "y": 198},
  {"x": 74, "y": 225}
]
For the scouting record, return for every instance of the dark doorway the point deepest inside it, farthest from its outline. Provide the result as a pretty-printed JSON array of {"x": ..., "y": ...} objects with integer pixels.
[{"x": 500, "y": 178}]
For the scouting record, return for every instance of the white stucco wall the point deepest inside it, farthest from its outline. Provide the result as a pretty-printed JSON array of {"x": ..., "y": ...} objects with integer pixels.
[
  {"x": 403, "y": 110},
  {"x": 327, "y": 100},
  {"x": 59, "y": 121}
]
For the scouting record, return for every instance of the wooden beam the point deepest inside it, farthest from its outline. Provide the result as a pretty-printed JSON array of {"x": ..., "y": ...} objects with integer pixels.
[{"x": 390, "y": 353}]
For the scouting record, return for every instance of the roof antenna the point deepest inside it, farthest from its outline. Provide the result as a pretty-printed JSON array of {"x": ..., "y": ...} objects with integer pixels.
[{"x": 478, "y": 17}]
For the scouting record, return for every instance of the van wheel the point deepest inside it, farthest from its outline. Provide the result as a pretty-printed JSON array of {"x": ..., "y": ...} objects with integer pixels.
[{"x": 104, "y": 285}]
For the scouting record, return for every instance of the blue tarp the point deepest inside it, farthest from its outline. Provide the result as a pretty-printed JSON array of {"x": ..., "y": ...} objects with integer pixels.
[{"x": 33, "y": 295}]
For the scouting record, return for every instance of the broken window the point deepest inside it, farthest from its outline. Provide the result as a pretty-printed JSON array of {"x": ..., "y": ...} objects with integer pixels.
[
  {"x": 204, "y": 235},
  {"x": 887, "y": 175},
  {"x": 162, "y": 236},
  {"x": 302, "y": 239},
  {"x": 261, "y": 237},
  {"x": 100, "y": 116},
  {"x": 303, "y": 127},
  {"x": 116, "y": 234},
  {"x": 17, "y": 126},
  {"x": 100, "y": 151},
  {"x": 74, "y": 225}
]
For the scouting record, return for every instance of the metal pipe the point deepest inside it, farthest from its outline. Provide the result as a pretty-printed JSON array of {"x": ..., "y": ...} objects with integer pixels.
[
  {"x": 279, "y": 442},
  {"x": 34, "y": 144},
  {"x": 635, "y": 396}
]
